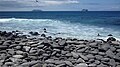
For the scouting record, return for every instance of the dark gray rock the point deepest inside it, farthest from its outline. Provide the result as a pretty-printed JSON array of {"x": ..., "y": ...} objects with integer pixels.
[
  {"x": 43, "y": 35},
  {"x": 102, "y": 65},
  {"x": 97, "y": 62},
  {"x": 37, "y": 65},
  {"x": 110, "y": 35},
  {"x": 111, "y": 39},
  {"x": 18, "y": 56},
  {"x": 105, "y": 47},
  {"x": 118, "y": 66},
  {"x": 83, "y": 57},
  {"x": 7, "y": 43},
  {"x": 80, "y": 46},
  {"x": 68, "y": 55},
  {"x": 40, "y": 46},
  {"x": 18, "y": 47},
  {"x": 91, "y": 60},
  {"x": 105, "y": 59},
  {"x": 34, "y": 33},
  {"x": 90, "y": 56},
  {"x": 81, "y": 65},
  {"x": 98, "y": 57},
  {"x": 68, "y": 63},
  {"x": 3, "y": 47},
  {"x": 112, "y": 48},
  {"x": 9, "y": 64},
  {"x": 94, "y": 44},
  {"x": 110, "y": 53},
  {"x": 112, "y": 62},
  {"x": 61, "y": 65},
  {"x": 50, "y": 61},
  {"x": 75, "y": 55},
  {"x": 80, "y": 60},
  {"x": 62, "y": 42},
  {"x": 92, "y": 65},
  {"x": 29, "y": 64},
  {"x": 101, "y": 53},
  {"x": 81, "y": 50}
]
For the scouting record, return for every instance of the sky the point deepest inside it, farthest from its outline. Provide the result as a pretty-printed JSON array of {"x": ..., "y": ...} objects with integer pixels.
[{"x": 60, "y": 5}]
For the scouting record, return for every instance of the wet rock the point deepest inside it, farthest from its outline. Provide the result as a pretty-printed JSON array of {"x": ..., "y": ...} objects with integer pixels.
[
  {"x": 81, "y": 65},
  {"x": 43, "y": 35},
  {"x": 34, "y": 33},
  {"x": 111, "y": 39},
  {"x": 110, "y": 35}
]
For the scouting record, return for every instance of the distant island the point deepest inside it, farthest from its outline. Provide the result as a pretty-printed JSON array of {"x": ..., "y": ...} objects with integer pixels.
[
  {"x": 36, "y": 10},
  {"x": 84, "y": 10}
]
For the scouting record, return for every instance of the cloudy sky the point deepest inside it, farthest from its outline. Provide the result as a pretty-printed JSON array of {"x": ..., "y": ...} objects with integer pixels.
[{"x": 60, "y": 5}]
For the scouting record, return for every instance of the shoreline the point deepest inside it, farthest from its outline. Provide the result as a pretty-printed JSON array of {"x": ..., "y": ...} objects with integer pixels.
[{"x": 23, "y": 51}]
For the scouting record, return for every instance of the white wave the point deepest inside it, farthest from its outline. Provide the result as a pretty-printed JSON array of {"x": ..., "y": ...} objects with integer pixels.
[{"x": 66, "y": 28}]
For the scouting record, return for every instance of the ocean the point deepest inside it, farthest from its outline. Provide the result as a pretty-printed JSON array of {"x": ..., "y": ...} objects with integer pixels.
[{"x": 75, "y": 24}]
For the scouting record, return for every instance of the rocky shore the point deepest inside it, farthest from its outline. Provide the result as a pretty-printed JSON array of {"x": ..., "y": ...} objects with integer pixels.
[{"x": 22, "y": 51}]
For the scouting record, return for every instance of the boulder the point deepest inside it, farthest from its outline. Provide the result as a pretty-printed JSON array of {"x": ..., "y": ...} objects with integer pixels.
[
  {"x": 34, "y": 33},
  {"x": 111, "y": 39}
]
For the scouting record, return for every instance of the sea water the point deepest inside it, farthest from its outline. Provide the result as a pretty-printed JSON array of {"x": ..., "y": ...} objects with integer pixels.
[{"x": 75, "y": 24}]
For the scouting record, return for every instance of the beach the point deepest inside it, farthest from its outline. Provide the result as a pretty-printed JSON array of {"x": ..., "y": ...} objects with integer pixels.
[{"x": 20, "y": 50}]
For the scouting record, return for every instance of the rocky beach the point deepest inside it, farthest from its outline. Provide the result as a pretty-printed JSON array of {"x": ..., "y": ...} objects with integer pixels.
[{"x": 23, "y": 51}]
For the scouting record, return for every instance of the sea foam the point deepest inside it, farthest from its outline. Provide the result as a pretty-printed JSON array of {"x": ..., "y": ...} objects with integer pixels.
[{"x": 64, "y": 28}]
